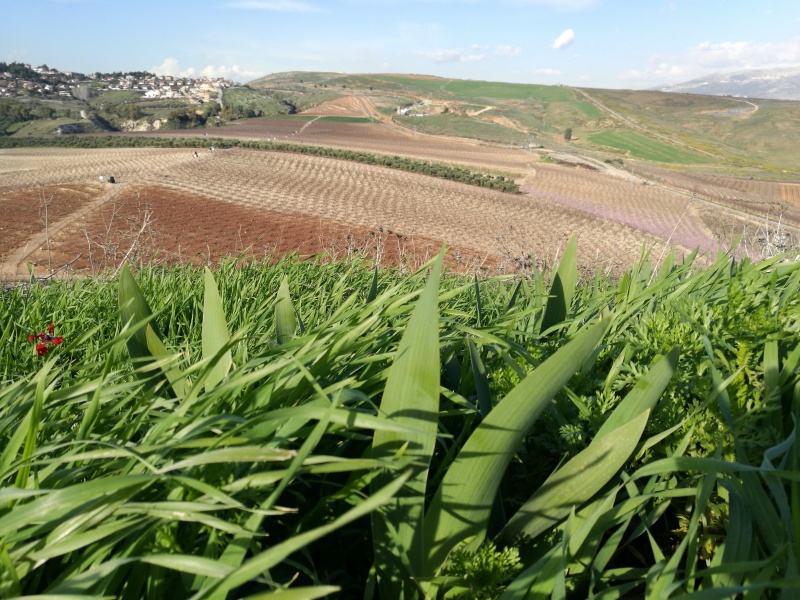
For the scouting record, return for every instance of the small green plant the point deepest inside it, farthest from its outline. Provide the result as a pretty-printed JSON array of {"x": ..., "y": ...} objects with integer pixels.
[{"x": 482, "y": 574}]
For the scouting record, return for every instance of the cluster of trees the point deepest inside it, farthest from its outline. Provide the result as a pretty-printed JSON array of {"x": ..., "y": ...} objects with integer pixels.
[
  {"x": 12, "y": 111},
  {"x": 20, "y": 71},
  {"x": 240, "y": 111},
  {"x": 460, "y": 174},
  {"x": 124, "y": 110},
  {"x": 118, "y": 74},
  {"x": 190, "y": 118}
]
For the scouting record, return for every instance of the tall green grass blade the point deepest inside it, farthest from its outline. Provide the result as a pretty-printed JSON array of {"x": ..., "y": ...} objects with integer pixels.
[
  {"x": 411, "y": 398},
  {"x": 478, "y": 305},
  {"x": 215, "y": 332},
  {"x": 513, "y": 300},
  {"x": 34, "y": 421},
  {"x": 56, "y": 504},
  {"x": 300, "y": 593},
  {"x": 562, "y": 287},
  {"x": 481, "y": 382},
  {"x": 94, "y": 404},
  {"x": 461, "y": 507},
  {"x": 373, "y": 288},
  {"x": 772, "y": 386},
  {"x": 285, "y": 323},
  {"x": 264, "y": 561}
]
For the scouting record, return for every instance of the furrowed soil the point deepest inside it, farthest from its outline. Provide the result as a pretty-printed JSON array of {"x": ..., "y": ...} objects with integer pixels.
[{"x": 171, "y": 206}]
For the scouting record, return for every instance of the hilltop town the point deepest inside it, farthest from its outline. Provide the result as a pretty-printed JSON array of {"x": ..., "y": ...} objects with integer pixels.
[{"x": 21, "y": 80}]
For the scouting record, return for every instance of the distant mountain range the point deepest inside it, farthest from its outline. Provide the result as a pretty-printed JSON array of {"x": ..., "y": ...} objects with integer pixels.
[{"x": 777, "y": 84}]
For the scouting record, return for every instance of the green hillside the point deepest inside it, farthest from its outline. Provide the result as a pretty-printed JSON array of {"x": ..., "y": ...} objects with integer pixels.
[{"x": 723, "y": 134}]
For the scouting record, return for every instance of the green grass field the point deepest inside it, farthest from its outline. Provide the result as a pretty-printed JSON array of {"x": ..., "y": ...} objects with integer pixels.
[
  {"x": 643, "y": 147},
  {"x": 589, "y": 110},
  {"x": 509, "y": 91},
  {"x": 433, "y": 86},
  {"x": 46, "y": 127},
  {"x": 463, "y": 126},
  {"x": 187, "y": 433}
]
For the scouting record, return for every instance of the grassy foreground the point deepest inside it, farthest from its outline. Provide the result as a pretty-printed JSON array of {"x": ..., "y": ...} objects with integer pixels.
[{"x": 300, "y": 429}]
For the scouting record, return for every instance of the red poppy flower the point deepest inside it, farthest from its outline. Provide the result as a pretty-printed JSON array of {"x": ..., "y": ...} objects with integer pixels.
[{"x": 45, "y": 340}]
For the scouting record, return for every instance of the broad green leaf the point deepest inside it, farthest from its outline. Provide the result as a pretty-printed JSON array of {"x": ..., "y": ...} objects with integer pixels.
[
  {"x": 562, "y": 287},
  {"x": 215, "y": 332},
  {"x": 644, "y": 395},
  {"x": 133, "y": 309},
  {"x": 410, "y": 398},
  {"x": 145, "y": 343},
  {"x": 461, "y": 507},
  {"x": 285, "y": 323},
  {"x": 574, "y": 483}
]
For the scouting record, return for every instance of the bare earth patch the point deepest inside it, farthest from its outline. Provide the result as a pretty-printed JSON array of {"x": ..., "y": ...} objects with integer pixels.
[
  {"x": 187, "y": 227},
  {"x": 179, "y": 207}
]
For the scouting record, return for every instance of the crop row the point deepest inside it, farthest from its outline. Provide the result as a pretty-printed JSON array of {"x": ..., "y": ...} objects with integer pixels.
[{"x": 449, "y": 172}]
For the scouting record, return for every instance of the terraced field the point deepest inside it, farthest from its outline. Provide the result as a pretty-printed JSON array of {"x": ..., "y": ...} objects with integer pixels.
[{"x": 173, "y": 205}]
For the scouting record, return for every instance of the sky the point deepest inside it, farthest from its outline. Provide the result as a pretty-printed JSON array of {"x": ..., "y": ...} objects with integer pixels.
[{"x": 633, "y": 44}]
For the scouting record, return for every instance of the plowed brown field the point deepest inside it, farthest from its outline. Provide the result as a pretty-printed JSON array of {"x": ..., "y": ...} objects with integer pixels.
[
  {"x": 231, "y": 200},
  {"x": 234, "y": 200}
]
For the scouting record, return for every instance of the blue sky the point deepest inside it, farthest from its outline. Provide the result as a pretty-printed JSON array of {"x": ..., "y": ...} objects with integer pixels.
[{"x": 592, "y": 43}]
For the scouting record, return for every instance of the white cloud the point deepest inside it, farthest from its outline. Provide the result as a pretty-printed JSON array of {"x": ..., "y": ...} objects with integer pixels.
[
  {"x": 548, "y": 72},
  {"x": 565, "y": 39},
  {"x": 232, "y": 72},
  {"x": 744, "y": 54},
  {"x": 508, "y": 51},
  {"x": 170, "y": 67},
  {"x": 273, "y": 5},
  {"x": 445, "y": 56}
]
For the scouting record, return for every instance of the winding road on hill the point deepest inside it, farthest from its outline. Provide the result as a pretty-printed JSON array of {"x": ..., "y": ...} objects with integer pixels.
[{"x": 641, "y": 127}]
